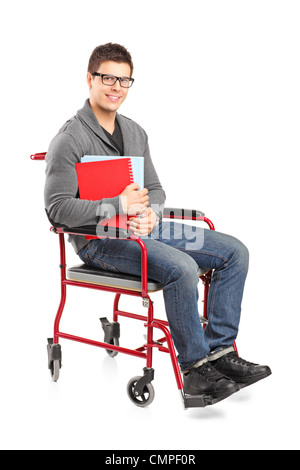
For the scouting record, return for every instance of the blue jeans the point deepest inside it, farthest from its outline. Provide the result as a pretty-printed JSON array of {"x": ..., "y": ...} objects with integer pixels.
[{"x": 175, "y": 251}]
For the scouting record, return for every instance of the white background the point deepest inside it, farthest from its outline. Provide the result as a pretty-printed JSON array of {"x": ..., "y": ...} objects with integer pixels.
[{"x": 217, "y": 90}]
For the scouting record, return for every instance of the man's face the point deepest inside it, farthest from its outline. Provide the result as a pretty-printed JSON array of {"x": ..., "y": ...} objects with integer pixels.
[{"x": 105, "y": 97}]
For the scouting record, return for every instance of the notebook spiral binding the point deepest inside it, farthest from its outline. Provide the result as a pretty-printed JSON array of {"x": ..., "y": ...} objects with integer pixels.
[{"x": 130, "y": 171}]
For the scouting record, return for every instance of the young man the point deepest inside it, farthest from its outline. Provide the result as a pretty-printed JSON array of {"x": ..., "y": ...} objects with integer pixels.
[{"x": 175, "y": 251}]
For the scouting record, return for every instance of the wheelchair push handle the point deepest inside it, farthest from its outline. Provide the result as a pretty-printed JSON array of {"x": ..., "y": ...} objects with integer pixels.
[{"x": 38, "y": 156}]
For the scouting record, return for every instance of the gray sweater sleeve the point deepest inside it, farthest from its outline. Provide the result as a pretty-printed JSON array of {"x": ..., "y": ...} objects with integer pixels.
[
  {"x": 156, "y": 193},
  {"x": 61, "y": 187}
]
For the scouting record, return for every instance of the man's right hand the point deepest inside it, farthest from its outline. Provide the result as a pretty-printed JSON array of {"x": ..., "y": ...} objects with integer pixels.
[{"x": 133, "y": 200}]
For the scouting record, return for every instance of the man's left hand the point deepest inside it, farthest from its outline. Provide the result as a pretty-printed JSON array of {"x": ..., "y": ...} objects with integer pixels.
[{"x": 143, "y": 225}]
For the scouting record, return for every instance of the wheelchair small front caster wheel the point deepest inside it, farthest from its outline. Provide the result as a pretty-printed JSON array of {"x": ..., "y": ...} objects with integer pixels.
[
  {"x": 54, "y": 359},
  {"x": 111, "y": 334},
  {"x": 143, "y": 398},
  {"x": 54, "y": 370},
  {"x": 115, "y": 342}
]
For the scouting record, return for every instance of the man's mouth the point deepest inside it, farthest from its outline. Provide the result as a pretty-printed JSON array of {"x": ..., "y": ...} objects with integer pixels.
[{"x": 113, "y": 98}]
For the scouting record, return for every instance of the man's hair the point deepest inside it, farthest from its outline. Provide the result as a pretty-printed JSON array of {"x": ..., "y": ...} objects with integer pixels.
[{"x": 109, "y": 51}]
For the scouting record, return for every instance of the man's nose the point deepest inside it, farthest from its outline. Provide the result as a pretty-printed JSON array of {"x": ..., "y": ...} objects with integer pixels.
[{"x": 117, "y": 85}]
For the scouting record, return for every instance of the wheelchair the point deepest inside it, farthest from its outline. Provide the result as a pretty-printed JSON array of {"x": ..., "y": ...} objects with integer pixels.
[{"x": 140, "y": 389}]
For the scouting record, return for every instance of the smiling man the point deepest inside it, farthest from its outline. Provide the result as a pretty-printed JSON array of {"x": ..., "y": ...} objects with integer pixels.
[
  {"x": 106, "y": 100},
  {"x": 207, "y": 359}
]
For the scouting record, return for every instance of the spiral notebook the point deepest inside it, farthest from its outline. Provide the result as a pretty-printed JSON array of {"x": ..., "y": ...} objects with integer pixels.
[
  {"x": 105, "y": 177},
  {"x": 137, "y": 164}
]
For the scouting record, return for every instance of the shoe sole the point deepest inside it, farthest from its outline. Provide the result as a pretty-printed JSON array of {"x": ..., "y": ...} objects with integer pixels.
[
  {"x": 219, "y": 398},
  {"x": 210, "y": 399},
  {"x": 254, "y": 379}
]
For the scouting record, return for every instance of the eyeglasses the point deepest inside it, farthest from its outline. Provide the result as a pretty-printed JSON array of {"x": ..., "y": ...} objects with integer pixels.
[{"x": 110, "y": 80}]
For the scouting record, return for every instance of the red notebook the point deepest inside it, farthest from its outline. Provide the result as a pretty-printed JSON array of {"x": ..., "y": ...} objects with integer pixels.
[{"x": 105, "y": 179}]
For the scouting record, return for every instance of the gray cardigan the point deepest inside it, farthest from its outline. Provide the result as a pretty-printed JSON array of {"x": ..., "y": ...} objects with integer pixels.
[{"x": 83, "y": 135}]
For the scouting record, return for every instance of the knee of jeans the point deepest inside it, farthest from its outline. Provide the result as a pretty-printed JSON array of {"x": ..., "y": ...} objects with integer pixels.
[
  {"x": 241, "y": 254},
  {"x": 185, "y": 269}
]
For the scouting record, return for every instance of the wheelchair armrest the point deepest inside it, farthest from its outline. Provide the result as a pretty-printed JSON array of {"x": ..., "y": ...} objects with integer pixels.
[
  {"x": 99, "y": 231},
  {"x": 189, "y": 214}
]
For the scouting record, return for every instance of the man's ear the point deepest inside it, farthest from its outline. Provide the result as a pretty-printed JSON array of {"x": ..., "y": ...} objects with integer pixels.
[{"x": 89, "y": 79}]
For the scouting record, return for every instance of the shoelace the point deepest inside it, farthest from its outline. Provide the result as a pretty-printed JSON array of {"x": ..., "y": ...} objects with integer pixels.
[
  {"x": 208, "y": 372},
  {"x": 238, "y": 360}
]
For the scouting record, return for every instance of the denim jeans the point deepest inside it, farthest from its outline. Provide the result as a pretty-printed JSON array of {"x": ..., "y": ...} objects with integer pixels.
[{"x": 175, "y": 251}]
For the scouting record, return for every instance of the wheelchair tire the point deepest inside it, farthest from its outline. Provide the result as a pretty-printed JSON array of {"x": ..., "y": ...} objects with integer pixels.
[
  {"x": 147, "y": 396},
  {"x": 54, "y": 370},
  {"x": 115, "y": 342}
]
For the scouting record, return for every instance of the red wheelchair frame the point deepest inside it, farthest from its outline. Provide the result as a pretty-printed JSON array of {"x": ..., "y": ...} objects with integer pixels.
[{"x": 139, "y": 389}]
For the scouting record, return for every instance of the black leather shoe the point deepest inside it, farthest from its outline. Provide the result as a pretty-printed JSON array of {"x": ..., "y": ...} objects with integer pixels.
[
  {"x": 207, "y": 380},
  {"x": 244, "y": 373}
]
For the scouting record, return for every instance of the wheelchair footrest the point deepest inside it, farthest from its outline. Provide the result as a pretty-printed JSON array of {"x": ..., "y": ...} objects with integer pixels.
[{"x": 197, "y": 401}]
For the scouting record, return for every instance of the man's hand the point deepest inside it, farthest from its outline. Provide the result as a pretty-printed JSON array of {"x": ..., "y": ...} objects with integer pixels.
[
  {"x": 143, "y": 225},
  {"x": 133, "y": 201}
]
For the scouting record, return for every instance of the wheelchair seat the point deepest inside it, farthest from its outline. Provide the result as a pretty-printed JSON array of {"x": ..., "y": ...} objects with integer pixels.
[{"x": 85, "y": 273}]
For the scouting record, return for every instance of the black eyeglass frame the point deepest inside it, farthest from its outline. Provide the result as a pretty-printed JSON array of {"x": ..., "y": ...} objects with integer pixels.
[{"x": 131, "y": 80}]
